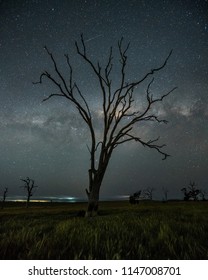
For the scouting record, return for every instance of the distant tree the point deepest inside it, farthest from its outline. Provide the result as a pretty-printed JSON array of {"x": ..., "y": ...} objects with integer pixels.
[
  {"x": 148, "y": 193},
  {"x": 191, "y": 192},
  {"x": 194, "y": 191},
  {"x": 120, "y": 112},
  {"x": 203, "y": 194},
  {"x": 29, "y": 187},
  {"x": 134, "y": 199},
  {"x": 186, "y": 194},
  {"x": 4, "y": 197},
  {"x": 165, "y": 193}
]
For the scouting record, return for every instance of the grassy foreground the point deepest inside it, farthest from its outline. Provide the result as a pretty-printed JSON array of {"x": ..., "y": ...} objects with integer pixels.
[{"x": 149, "y": 230}]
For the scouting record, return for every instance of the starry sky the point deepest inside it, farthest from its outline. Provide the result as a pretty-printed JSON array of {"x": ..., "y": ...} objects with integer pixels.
[{"x": 47, "y": 141}]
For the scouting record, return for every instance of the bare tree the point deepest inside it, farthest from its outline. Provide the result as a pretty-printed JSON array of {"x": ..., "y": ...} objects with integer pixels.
[
  {"x": 134, "y": 199},
  {"x": 191, "y": 192},
  {"x": 4, "y": 197},
  {"x": 30, "y": 188},
  {"x": 203, "y": 193},
  {"x": 148, "y": 193},
  {"x": 120, "y": 114}
]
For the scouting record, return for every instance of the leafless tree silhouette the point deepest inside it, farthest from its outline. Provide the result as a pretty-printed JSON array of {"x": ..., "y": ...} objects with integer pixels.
[
  {"x": 4, "y": 197},
  {"x": 134, "y": 199},
  {"x": 148, "y": 193},
  {"x": 119, "y": 111},
  {"x": 203, "y": 193},
  {"x": 29, "y": 187},
  {"x": 191, "y": 192}
]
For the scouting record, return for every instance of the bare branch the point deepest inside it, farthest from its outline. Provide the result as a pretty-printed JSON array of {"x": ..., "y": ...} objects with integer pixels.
[
  {"x": 152, "y": 71},
  {"x": 85, "y": 102},
  {"x": 71, "y": 85},
  {"x": 153, "y": 118},
  {"x": 52, "y": 95},
  {"x": 57, "y": 71},
  {"x": 150, "y": 144},
  {"x": 99, "y": 143},
  {"x": 83, "y": 54}
]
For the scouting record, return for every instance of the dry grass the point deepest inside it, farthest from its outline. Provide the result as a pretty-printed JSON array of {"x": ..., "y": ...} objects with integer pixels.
[{"x": 174, "y": 230}]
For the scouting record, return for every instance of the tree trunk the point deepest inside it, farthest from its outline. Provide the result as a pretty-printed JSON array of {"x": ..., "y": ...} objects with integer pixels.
[
  {"x": 93, "y": 199},
  {"x": 28, "y": 201}
]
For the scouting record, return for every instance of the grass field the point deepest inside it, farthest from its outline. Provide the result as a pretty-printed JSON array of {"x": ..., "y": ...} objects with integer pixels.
[{"x": 149, "y": 230}]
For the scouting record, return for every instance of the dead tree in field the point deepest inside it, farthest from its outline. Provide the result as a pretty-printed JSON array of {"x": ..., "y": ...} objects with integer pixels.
[
  {"x": 4, "y": 197},
  {"x": 148, "y": 193},
  {"x": 134, "y": 199},
  {"x": 191, "y": 193},
  {"x": 194, "y": 191},
  {"x": 120, "y": 112},
  {"x": 30, "y": 188},
  {"x": 186, "y": 194},
  {"x": 203, "y": 194}
]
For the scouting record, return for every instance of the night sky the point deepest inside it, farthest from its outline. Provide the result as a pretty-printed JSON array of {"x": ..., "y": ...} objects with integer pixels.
[{"x": 47, "y": 141}]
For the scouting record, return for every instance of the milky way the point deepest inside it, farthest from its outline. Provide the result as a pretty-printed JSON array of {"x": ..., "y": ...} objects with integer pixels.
[{"x": 47, "y": 141}]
